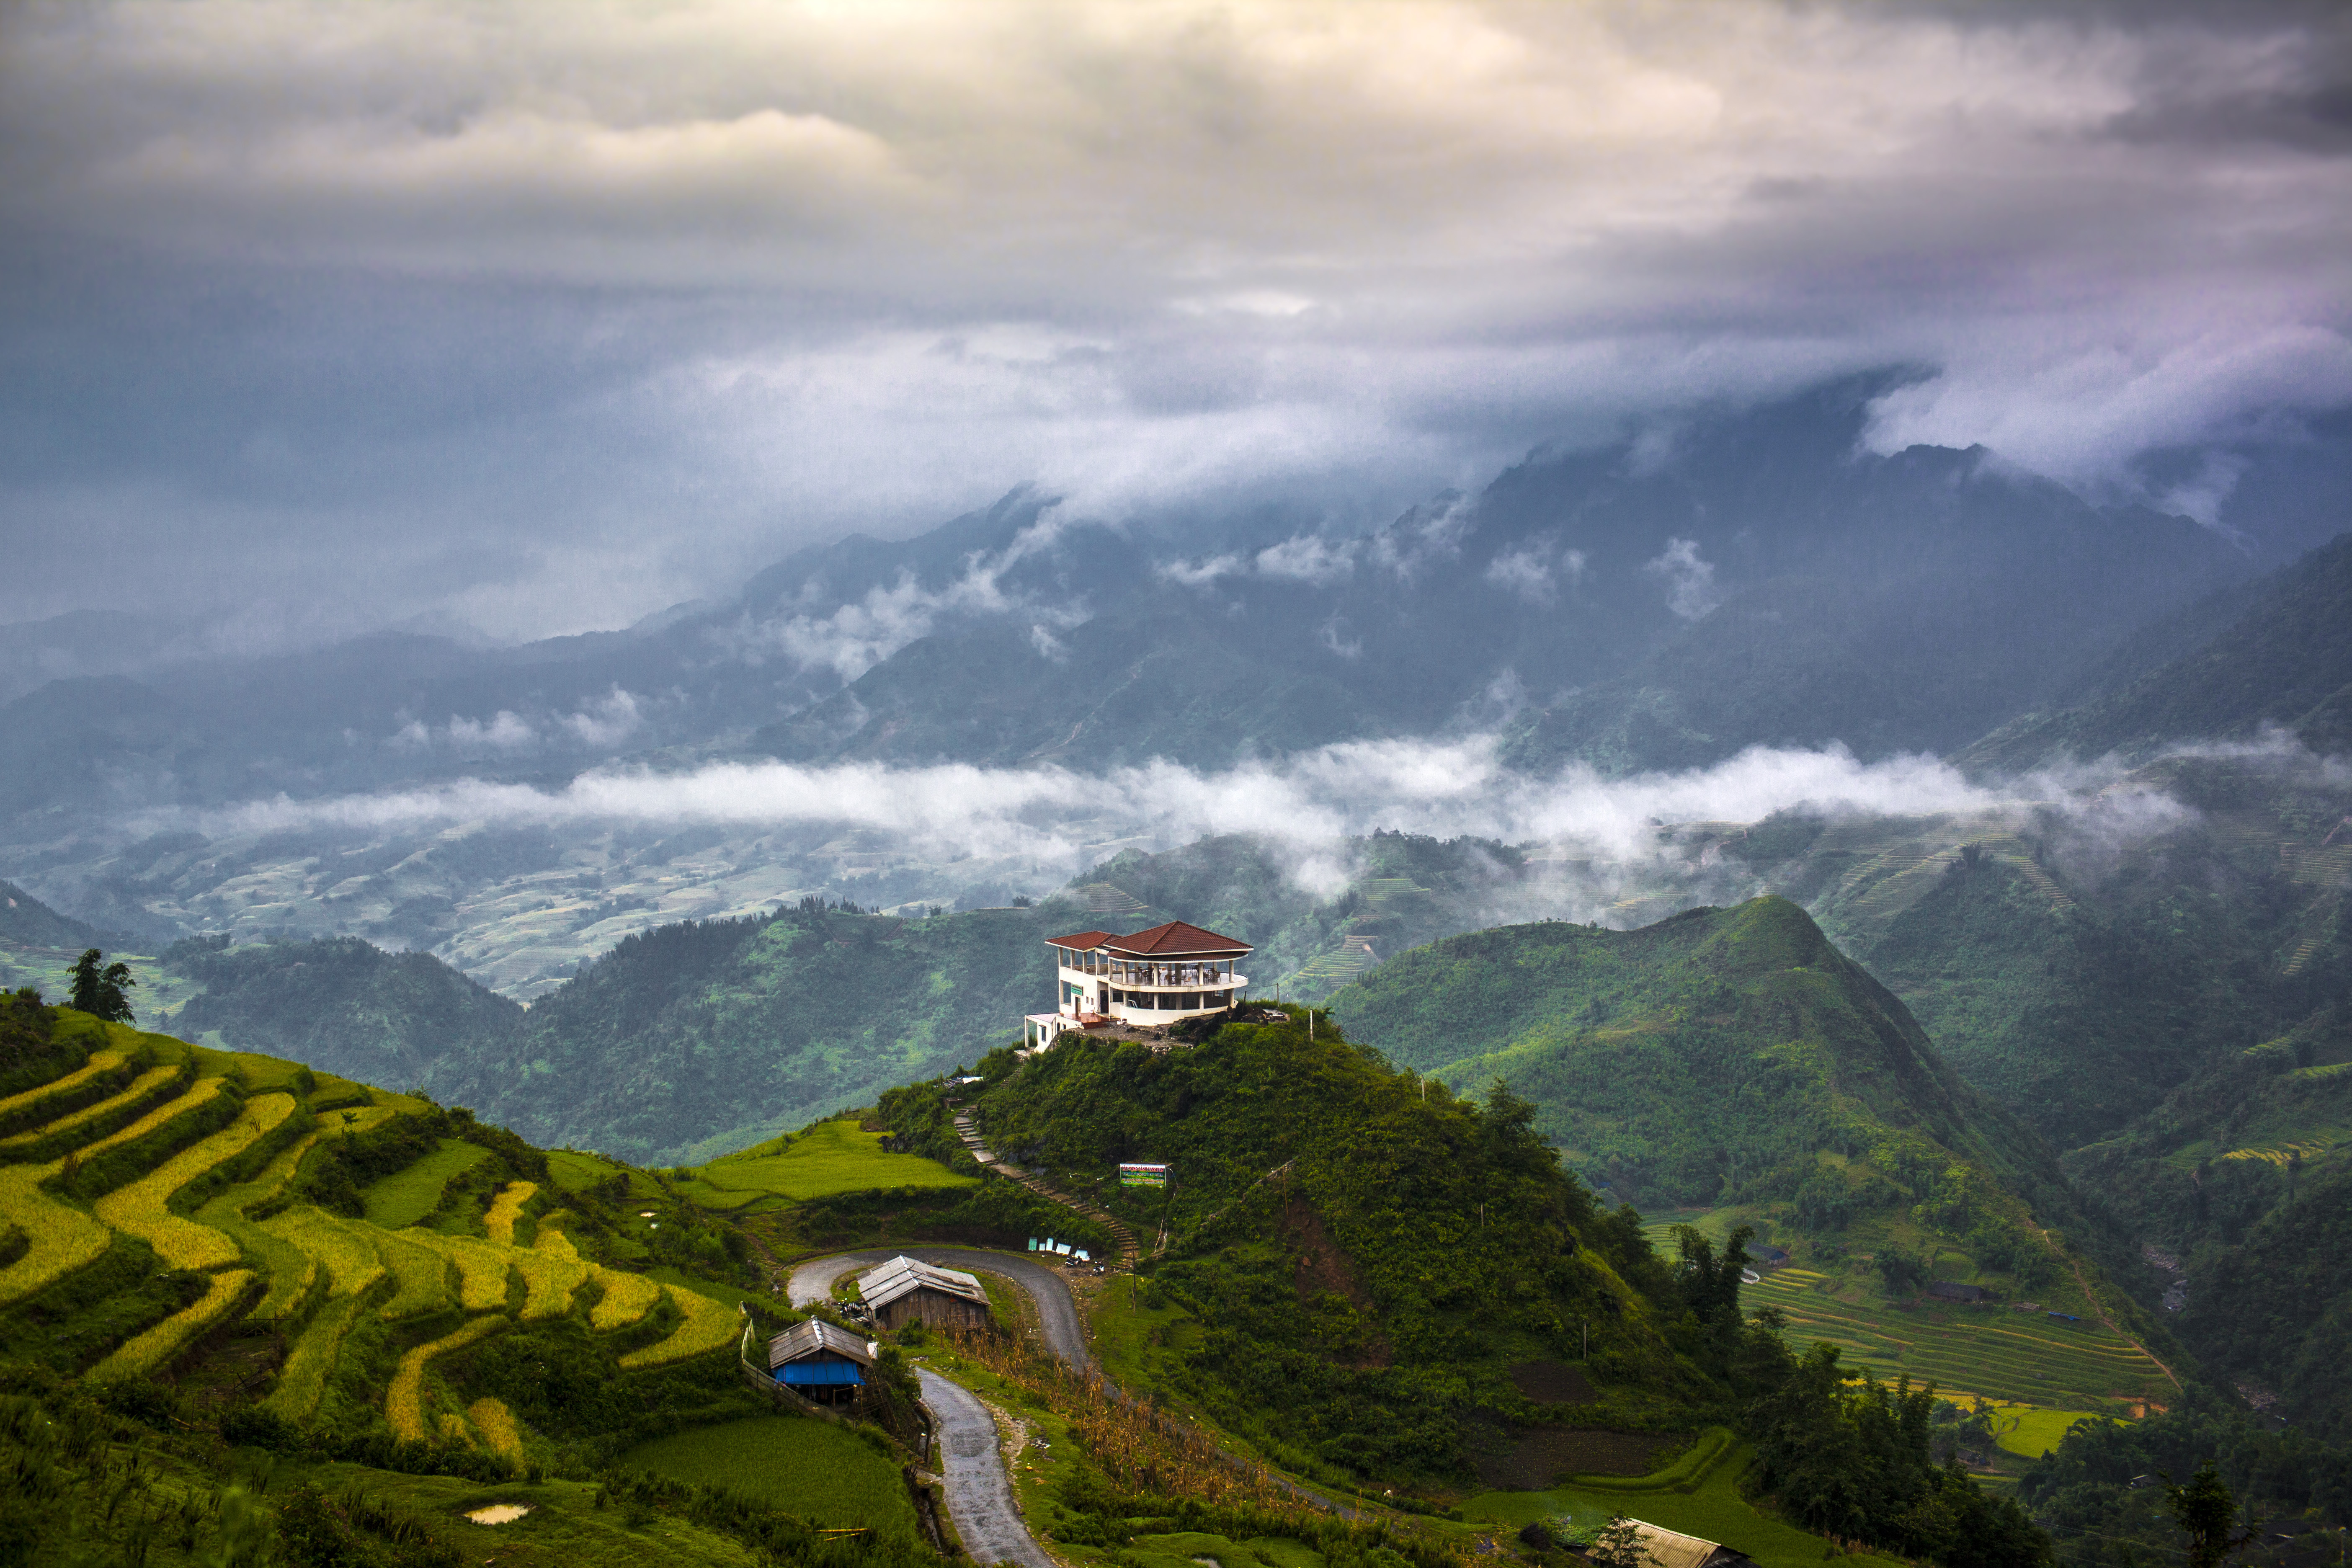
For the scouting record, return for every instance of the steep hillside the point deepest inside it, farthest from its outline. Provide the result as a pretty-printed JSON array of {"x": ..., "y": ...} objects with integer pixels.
[
  {"x": 2285, "y": 660},
  {"x": 1732, "y": 1063},
  {"x": 2238, "y": 1185},
  {"x": 1365, "y": 1260}
]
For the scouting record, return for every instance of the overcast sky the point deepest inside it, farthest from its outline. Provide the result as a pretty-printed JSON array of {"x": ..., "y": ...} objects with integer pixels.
[{"x": 544, "y": 316}]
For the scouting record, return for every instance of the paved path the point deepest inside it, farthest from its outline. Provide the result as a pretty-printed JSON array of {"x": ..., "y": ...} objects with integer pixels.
[
  {"x": 1057, "y": 1310},
  {"x": 980, "y": 1498}
]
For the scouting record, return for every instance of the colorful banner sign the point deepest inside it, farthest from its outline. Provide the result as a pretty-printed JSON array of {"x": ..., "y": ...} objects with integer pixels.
[{"x": 1143, "y": 1175}]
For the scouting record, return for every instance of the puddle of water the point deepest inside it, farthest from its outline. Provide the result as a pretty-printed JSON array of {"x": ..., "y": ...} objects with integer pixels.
[{"x": 499, "y": 1514}]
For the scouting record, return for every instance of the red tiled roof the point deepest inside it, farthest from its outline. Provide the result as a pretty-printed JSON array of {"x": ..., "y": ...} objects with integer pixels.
[
  {"x": 1081, "y": 939},
  {"x": 1175, "y": 940}
]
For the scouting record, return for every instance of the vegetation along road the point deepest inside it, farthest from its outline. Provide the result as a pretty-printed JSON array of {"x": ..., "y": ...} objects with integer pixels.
[{"x": 1058, "y": 1312}]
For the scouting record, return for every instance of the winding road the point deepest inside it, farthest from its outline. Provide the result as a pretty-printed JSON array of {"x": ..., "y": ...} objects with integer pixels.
[
  {"x": 980, "y": 1494},
  {"x": 1058, "y": 1312}
]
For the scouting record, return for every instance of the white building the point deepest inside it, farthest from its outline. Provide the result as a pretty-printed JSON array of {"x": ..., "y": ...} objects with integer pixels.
[{"x": 1154, "y": 977}]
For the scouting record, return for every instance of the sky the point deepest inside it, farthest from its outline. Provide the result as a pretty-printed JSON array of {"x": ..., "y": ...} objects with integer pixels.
[{"x": 540, "y": 317}]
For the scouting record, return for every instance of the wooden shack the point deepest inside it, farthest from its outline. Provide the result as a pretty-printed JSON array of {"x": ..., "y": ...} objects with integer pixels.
[
  {"x": 905, "y": 1290},
  {"x": 820, "y": 1361}
]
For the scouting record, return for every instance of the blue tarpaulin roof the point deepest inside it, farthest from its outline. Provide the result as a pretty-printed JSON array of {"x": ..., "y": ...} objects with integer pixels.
[{"x": 818, "y": 1371}]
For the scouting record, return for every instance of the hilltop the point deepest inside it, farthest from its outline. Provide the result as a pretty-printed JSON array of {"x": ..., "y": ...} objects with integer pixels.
[{"x": 1730, "y": 1066}]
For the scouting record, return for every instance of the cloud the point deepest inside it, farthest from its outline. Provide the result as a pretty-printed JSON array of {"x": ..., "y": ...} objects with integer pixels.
[
  {"x": 550, "y": 316},
  {"x": 506, "y": 733},
  {"x": 1528, "y": 569},
  {"x": 1690, "y": 581},
  {"x": 1046, "y": 817},
  {"x": 607, "y": 721}
]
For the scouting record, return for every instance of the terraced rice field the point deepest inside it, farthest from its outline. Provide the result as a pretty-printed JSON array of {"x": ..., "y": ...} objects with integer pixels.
[
  {"x": 142, "y": 1207},
  {"x": 1987, "y": 1351},
  {"x": 812, "y": 1468},
  {"x": 404, "y": 1406},
  {"x": 144, "y": 1353},
  {"x": 707, "y": 1327},
  {"x": 311, "y": 1275}
]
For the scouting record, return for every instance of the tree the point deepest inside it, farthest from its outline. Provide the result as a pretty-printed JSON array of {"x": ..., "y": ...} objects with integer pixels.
[
  {"x": 1619, "y": 1545},
  {"x": 99, "y": 991},
  {"x": 2205, "y": 1511}
]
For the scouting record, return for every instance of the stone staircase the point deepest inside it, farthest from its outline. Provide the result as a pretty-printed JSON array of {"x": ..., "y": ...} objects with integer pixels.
[{"x": 1122, "y": 1234}]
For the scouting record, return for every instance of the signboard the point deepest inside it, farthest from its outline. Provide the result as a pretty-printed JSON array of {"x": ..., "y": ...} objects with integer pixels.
[{"x": 1143, "y": 1175}]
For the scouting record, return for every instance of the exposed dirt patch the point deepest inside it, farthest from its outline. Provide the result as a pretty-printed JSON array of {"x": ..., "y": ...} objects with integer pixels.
[
  {"x": 1538, "y": 1458},
  {"x": 1553, "y": 1382},
  {"x": 1323, "y": 1269}
]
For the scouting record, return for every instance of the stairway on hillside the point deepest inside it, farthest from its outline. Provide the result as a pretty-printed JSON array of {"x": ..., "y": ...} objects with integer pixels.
[
  {"x": 968, "y": 1128},
  {"x": 2300, "y": 956}
]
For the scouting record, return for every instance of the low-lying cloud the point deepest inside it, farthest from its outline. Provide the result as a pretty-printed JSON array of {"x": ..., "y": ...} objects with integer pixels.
[{"x": 1051, "y": 821}]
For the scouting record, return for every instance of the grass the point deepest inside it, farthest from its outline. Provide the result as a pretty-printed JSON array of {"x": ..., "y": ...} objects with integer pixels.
[
  {"x": 348, "y": 1255},
  {"x": 831, "y": 1157},
  {"x": 142, "y": 1208},
  {"x": 423, "y": 1274},
  {"x": 1983, "y": 1350},
  {"x": 66, "y": 1131},
  {"x": 576, "y": 1172},
  {"x": 1714, "y": 1510},
  {"x": 406, "y": 1196},
  {"x": 505, "y": 1209},
  {"x": 709, "y": 1326},
  {"x": 2030, "y": 1433},
  {"x": 628, "y": 1298},
  {"x": 813, "y": 1469},
  {"x": 303, "y": 1379},
  {"x": 151, "y": 1350},
  {"x": 404, "y": 1403},
  {"x": 59, "y": 1239},
  {"x": 1188, "y": 1549},
  {"x": 565, "y": 1524}
]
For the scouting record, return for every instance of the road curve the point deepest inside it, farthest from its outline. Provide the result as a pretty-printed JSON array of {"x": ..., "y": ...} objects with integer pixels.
[
  {"x": 980, "y": 1498},
  {"x": 1058, "y": 1312}
]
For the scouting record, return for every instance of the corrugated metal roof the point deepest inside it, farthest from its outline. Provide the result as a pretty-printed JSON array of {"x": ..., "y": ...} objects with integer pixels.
[
  {"x": 1669, "y": 1550},
  {"x": 886, "y": 1282},
  {"x": 1174, "y": 940},
  {"x": 813, "y": 1336}
]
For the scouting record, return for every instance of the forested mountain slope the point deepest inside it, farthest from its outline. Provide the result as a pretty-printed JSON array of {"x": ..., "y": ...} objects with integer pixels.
[{"x": 2284, "y": 661}]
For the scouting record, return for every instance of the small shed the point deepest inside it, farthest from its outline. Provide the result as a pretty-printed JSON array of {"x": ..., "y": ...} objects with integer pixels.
[
  {"x": 905, "y": 1290},
  {"x": 827, "y": 1364},
  {"x": 1952, "y": 1290},
  {"x": 1669, "y": 1549}
]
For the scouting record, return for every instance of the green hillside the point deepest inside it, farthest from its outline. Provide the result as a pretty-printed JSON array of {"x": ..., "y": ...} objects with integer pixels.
[{"x": 1731, "y": 1066}]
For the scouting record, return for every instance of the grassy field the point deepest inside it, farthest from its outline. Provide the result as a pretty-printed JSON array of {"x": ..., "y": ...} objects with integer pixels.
[
  {"x": 1713, "y": 1511},
  {"x": 406, "y": 1196},
  {"x": 821, "y": 1472},
  {"x": 576, "y": 1172},
  {"x": 565, "y": 1524},
  {"x": 831, "y": 1157},
  {"x": 2030, "y": 1433}
]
